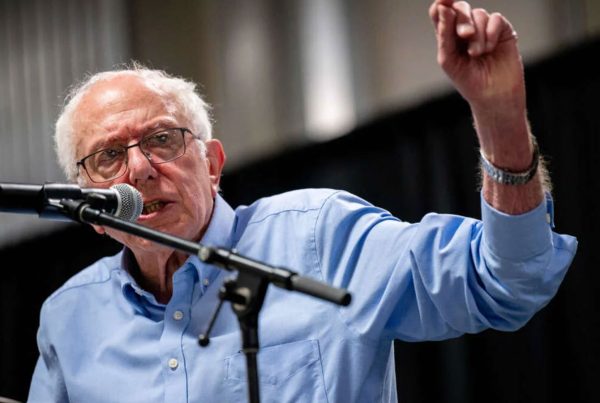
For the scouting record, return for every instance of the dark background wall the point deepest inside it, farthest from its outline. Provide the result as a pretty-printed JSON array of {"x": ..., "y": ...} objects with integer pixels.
[{"x": 410, "y": 162}]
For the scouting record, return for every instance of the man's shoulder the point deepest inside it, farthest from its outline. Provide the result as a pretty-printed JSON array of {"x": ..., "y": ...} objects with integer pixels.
[
  {"x": 302, "y": 200},
  {"x": 97, "y": 273}
]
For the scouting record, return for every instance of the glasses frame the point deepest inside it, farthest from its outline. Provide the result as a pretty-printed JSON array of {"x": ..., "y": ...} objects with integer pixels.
[{"x": 183, "y": 130}]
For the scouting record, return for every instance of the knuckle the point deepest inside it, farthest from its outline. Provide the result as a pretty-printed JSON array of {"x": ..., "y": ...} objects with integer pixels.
[
  {"x": 442, "y": 60},
  {"x": 481, "y": 12}
]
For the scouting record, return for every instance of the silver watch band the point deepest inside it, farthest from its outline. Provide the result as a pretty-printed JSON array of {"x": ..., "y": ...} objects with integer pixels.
[{"x": 511, "y": 178}]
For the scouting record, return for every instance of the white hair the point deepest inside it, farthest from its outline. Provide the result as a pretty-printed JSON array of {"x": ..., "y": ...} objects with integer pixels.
[{"x": 180, "y": 95}]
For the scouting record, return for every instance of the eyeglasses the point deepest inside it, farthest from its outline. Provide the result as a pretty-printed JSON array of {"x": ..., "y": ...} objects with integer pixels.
[{"x": 160, "y": 147}]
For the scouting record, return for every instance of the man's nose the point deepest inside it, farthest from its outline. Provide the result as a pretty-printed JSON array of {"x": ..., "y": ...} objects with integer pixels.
[{"x": 139, "y": 165}]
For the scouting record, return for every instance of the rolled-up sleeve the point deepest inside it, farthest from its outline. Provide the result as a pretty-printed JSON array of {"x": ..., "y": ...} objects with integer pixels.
[{"x": 444, "y": 276}]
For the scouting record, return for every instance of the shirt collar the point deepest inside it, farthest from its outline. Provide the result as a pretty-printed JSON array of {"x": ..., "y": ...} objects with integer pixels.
[{"x": 218, "y": 233}]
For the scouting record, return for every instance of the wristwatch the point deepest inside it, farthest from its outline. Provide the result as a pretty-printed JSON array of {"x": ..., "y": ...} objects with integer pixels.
[{"x": 506, "y": 177}]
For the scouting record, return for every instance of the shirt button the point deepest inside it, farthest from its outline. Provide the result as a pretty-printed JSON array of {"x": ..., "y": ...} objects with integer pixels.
[
  {"x": 206, "y": 282},
  {"x": 173, "y": 363},
  {"x": 178, "y": 315}
]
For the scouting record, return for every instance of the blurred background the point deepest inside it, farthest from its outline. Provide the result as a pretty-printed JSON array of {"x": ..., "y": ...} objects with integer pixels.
[{"x": 319, "y": 93}]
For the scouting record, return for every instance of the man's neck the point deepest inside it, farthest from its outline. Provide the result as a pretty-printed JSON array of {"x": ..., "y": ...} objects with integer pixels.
[{"x": 154, "y": 271}]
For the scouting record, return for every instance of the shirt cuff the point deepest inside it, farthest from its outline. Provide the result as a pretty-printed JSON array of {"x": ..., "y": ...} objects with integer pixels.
[{"x": 521, "y": 236}]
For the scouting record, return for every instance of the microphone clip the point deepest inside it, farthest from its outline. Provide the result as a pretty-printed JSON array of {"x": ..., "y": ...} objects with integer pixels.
[
  {"x": 72, "y": 209},
  {"x": 97, "y": 201}
]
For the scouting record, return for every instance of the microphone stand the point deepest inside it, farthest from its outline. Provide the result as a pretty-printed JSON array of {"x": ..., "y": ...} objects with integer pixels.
[{"x": 246, "y": 292}]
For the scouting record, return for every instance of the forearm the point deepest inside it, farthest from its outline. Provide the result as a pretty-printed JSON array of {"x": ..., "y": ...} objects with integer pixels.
[{"x": 507, "y": 143}]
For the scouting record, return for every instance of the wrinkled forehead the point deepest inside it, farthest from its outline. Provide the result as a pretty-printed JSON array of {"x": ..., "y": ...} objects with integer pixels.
[
  {"x": 118, "y": 106},
  {"x": 110, "y": 101}
]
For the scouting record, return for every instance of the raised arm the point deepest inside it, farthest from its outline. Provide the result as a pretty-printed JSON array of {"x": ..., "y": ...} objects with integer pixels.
[{"x": 478, "y": 51}]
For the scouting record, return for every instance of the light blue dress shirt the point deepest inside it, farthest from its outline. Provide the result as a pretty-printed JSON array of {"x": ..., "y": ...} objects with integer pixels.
[{"x": 104, "y": 339}]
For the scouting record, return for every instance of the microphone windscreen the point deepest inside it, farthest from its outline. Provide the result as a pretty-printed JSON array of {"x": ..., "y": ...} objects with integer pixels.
[{"x": 131, "y": 203}]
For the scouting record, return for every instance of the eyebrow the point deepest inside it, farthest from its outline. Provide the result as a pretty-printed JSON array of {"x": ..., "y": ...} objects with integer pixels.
[
  {"x": 105, "y": 142},
  {"x": 162, "y": 123}
]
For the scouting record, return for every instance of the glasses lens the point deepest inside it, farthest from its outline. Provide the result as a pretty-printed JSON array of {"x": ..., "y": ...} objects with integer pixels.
[
  {"x": 163, "y": 146},
  {"x": 107, "y": 164},
  {"x": 159, "y": 148}
]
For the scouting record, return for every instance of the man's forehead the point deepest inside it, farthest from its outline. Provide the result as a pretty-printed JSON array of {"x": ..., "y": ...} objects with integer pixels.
[
  {"x": 117, "y": 90},
  {"x": 110, "y": 95},
  {"x": 109, "y": 99},
  {"x": 120, "y": 106}
]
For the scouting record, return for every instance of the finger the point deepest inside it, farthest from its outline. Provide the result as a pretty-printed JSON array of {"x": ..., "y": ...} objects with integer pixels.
[
  {"x": 433, "y": 13},
  {"x": 478, "y": 41},
  {"x": 446, "y": 35},
  {"x": 465, "y": 27},
  {"x": 498, "y": 30}
]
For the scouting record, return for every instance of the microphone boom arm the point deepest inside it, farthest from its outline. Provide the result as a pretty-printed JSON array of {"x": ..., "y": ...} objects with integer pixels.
[{"x": 224, "y": 258}]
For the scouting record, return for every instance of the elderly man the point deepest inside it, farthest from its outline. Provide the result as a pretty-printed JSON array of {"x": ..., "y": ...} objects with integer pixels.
[{"x": 125, "y": 329}]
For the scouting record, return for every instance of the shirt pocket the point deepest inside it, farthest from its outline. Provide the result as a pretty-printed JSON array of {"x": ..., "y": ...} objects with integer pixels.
[{"x": 289, "y": 372}]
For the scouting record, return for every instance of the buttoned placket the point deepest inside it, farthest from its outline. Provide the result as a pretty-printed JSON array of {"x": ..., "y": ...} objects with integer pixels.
[{"x": 176, "y": 320}]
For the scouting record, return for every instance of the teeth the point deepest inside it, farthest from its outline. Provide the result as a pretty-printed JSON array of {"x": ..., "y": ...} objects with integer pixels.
[{"x": 152, "y": 207}]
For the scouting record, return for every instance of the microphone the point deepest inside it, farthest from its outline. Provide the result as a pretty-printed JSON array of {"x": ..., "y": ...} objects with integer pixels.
[{"x": 121, "y": 200}]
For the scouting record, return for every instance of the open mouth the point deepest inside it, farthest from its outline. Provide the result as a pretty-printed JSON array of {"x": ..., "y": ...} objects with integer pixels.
[{"x": 153, "y": 207}]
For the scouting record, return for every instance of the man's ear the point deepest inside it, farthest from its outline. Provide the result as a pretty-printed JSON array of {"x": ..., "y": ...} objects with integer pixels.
[{"x": 215, "y": 158}]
